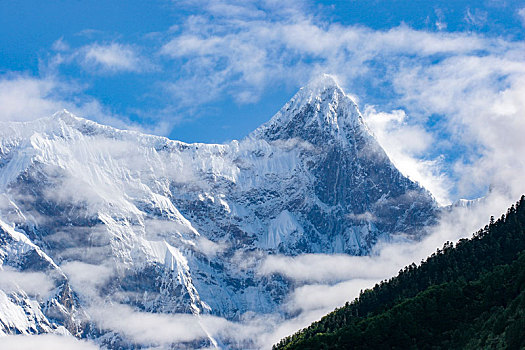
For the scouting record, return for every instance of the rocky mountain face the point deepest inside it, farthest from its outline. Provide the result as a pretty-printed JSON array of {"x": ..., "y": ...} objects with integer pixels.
[{"x": 116, "y": 217}]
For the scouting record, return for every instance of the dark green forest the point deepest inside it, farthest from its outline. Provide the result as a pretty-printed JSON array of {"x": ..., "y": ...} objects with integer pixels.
[{"x": 465, "y": 296}]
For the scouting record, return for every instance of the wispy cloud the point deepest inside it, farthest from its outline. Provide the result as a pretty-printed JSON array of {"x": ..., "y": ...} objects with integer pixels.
[
  {"x": 100, "y": 58},
  {"x": 45, "y": 342},
  {"x": 32, "y": 283},
  {"x": 483, "y": 116},
  {"x": 242, "y": 57},
  {"x": 154, "y": 329},
  {"x": 521, "y": 14},
  {"x": 440, "y": 21},
  {"x": 87, "y": 278},
  {"x": 454, "y": 102},
  {"x": 24, "y": 97},
  {"x": 113, "y": 57},
  {"x": 324, "y": 268},
  {"x": 476, "y": 17}
]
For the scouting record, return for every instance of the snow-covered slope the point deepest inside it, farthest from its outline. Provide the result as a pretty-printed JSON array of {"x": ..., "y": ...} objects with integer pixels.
[{"x": 170, "y": 227}]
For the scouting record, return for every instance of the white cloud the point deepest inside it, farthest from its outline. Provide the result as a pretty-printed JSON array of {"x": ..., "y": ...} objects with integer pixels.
[
  {"x": 521, "y": 14},
  {"x": 25, "y": 98},
  {"x": 406, "y": 145},
  {"x": 484, "y": 117},
  {"x": 440, "y": 22},
  {"x": 474, "y": 84},
  {"x": 99, "y": 58},
  {"x": 44, "y": 342},
  {"x": 325, "y": 268},
  {"x": 112, "y": 57},
  {"x": 210, "y": 248},
  {"x": 87, "y": 278},
  {"x": 476, "y": 17},
  {"x": 322, "y": 282},
  {"x": 366, "y": 216},
  {"x": 60, "y": 45},
  {"x": 148, "y": 328},
  {"x": 155, "y": 329},
  {"x": 243, "y": 57},
  {"x": 326, "y": 297},
  {"x": 32, "y": 283},
  {"x": 244, "y": 49}
]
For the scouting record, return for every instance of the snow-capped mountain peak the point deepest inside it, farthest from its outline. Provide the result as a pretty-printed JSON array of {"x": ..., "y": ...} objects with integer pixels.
[
  {"x": 179, "y": 227},
  {"x": 64, "y": 114},
  {"x": 318, "y": 113},
  {"x": 317, "y": 88}
]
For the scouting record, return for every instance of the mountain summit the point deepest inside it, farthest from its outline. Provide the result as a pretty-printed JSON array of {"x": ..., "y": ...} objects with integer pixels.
[
  {"x": 319, "y": 111},
  {"x": 170, "y": 227}
]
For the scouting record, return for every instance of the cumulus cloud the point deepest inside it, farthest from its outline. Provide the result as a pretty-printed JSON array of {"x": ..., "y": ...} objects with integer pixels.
[
  {"x": 483, "y": 117},
  {"x": 406, "y": 145}
]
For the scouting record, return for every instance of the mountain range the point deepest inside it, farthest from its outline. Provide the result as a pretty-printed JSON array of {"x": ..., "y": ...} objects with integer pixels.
[{"x": 114, "y": 218}]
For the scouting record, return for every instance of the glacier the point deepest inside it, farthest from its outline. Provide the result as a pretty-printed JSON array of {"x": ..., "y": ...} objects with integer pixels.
[{"x": 169, "y": 228}]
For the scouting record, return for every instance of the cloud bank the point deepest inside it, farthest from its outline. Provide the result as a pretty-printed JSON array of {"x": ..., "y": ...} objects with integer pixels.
[
  {"x": 45, "y": 342},
  {"x": 32, "y": 283}
]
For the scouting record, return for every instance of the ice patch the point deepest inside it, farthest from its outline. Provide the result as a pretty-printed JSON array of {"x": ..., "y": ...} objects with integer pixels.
[{"x": 282, "y": 229}]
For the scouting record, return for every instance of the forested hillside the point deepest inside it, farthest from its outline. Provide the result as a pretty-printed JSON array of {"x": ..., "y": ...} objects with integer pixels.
[{"x": 467, "y": 296}]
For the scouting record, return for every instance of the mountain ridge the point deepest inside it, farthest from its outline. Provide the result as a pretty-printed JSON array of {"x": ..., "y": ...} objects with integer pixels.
[{"x": 181, "y": 228}]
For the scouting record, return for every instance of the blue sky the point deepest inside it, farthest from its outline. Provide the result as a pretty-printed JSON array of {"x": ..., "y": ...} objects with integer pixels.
[{"x": 432, "y": 78}]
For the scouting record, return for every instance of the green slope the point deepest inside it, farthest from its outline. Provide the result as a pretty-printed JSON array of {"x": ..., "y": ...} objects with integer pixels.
[{"x": 470, "y": 296}]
